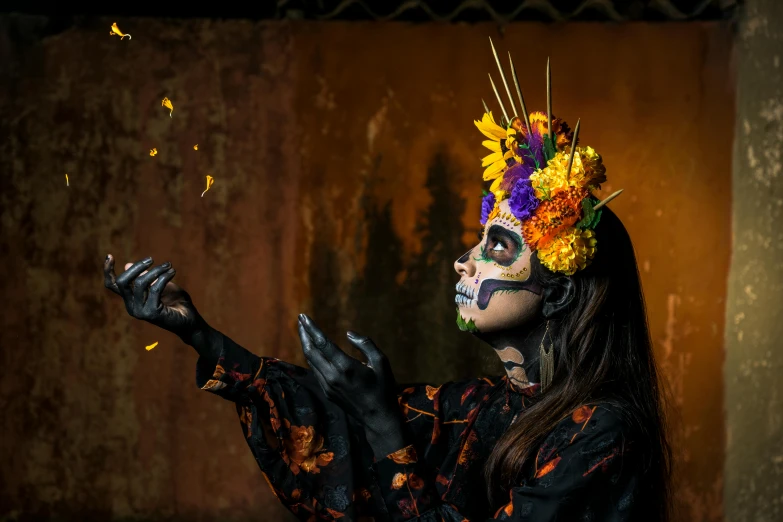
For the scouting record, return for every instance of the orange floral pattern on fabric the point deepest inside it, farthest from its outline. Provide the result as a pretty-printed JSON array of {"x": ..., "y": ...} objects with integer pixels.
[
  {"x": 399, "y": 480},
  {"x": 582, "y": 414},
  {"x": 406, "y": 455},
  {"x": 548, "y": 467},
  {"x": 305, "y": 447}
]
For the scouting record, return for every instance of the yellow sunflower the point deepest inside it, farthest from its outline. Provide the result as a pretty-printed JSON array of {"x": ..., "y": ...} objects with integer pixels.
[{"x": 495, "y": 162}]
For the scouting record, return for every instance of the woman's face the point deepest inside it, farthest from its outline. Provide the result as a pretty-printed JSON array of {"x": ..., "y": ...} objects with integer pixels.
[{"x": 495, "y": 292}]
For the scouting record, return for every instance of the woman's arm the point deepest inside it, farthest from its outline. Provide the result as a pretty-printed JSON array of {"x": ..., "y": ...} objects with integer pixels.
[{"x": 314, "y": 459}]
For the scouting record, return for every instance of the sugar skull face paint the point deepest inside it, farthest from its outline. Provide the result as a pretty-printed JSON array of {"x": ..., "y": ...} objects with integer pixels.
[{"x": 502, "y": 296}]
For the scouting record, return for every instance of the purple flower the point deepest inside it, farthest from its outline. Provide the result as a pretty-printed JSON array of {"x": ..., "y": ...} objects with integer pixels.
[
  {"x": 523, "y": 201},
  {"x": 535, "y": 156},
  {"x": 487, "y": 204},
  {"x": 520, "y": 171}
]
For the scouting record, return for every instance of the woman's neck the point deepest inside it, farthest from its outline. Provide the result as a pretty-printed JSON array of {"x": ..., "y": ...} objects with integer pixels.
[{"x": 518, "y": 350}]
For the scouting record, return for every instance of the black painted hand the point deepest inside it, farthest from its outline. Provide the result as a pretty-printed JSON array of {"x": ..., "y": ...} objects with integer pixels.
[
  {"x": 365, "y": 391},
  {"x": 150, "y": 296}
]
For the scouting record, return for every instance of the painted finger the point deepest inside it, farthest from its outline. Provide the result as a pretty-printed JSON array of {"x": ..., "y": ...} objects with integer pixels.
[
  {"x": 375, "y": 358},
  {"x": 156, "y": 288},
  {"x": 128, "y": 265},
  {"x": 142, "y": 284},
  {"x": 109, "y": 279},
  {"x": 314, "y": 357},
  {"x": 125, "y": 279},
  {"x": 330, "y": 350},
  {"x": 325, "y": 386}
]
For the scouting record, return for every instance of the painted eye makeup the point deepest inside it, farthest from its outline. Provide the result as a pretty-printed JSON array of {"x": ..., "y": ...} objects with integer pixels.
[{"x": 503, "y": 246}]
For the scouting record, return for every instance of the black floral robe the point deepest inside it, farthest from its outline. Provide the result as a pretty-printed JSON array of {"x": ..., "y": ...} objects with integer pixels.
[{"x": 319, "y": 465}]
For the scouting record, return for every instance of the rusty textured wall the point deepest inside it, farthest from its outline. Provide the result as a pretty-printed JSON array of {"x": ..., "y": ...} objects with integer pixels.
[
  {"x": 347, "y": 180},
  {"x": 754, "y": 390}
]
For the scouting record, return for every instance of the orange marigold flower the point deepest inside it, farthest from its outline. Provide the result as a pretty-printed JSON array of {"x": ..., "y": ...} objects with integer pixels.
[
  {"x": 553, "y": 216},
  {"x": 587, "y": 170},
  {"x": 538, "y": 125},
  {"x": 431, "y": 391},
  {"x": 594, "y": 170},
  {"x": 569, "y": 251}
]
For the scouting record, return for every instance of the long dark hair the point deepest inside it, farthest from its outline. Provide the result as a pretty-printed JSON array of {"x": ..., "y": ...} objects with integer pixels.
[{"x": 603, "y": 352}]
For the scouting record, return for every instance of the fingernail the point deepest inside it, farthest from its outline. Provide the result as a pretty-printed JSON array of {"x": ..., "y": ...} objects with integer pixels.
[
  {"x": 302, "y": 318},
  {"x": 352, "y": 335},
  {"x": 166, "y": 264},
  {"x": 147, "y": 260}
]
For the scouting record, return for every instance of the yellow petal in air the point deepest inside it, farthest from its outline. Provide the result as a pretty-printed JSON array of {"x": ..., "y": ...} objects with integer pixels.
[
  {"x": 210, "y": 181},
  {"x": 153, "y": 152},
  {"x": 150, "y": 347},
  {"x": 167, "y": 103},
  {"x": 195, "y": 147},
  {"x": 116, "y": 30},
  {"x": 66, "y": 181}
]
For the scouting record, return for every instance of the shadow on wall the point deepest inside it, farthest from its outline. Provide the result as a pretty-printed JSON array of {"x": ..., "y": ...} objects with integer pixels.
[{"x": 405, "y": 303}]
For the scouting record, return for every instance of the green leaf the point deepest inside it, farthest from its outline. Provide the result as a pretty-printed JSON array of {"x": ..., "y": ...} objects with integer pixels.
[
  {"x": 545, "y": 190},
  {"x": 549, "y": 148},
  {"x": 484, "y": 193},
  {"x": 468, "y": 326},
  {"x": 596, "y": 219},
  {"x": 588, "y": 213}
]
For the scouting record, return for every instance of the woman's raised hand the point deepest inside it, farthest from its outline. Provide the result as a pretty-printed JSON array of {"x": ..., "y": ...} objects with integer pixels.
[
  {"x": 365, "y": 391},
  {"x": 150, "y": 296}
]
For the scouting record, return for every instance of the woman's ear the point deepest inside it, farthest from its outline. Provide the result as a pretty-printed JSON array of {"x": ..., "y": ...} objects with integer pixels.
[{"x": 557, "y": 296}]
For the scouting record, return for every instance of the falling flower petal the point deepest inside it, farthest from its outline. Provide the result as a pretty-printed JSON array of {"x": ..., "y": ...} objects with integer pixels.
[
  {"x": 150, "y": 347},
  {"x": 153, "y": 152},
  {"x": 210, "y": 181},
  {"x": 66, "y": 181},
  {"x": 167, "y": 103},
  {"x": 116, "y": 30},
  {"x": 195, "y": 147}
]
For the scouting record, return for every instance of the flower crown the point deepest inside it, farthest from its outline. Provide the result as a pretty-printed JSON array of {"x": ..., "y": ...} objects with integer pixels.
[{"x": 536, "y": 164}]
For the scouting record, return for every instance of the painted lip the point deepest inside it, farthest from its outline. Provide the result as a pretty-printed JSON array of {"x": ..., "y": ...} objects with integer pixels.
[{"x": 466, "y": 295}]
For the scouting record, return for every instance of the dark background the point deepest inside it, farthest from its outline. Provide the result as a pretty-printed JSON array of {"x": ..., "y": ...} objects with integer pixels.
[{"x": 347, "y": 180}]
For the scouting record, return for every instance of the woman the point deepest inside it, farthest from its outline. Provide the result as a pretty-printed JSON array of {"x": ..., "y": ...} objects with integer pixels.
[{"x": 573, "y": 431}]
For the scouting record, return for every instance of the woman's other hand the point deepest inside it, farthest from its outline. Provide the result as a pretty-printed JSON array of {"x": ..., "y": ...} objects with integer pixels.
[
  {"x": 365, "y": 391},
  {"x": 150, "y": 296}
]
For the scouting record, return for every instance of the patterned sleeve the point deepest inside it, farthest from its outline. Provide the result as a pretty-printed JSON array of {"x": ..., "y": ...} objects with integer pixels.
[
  {"x": 314, "y": 459},
  {"x": 581, "y": 472}
]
